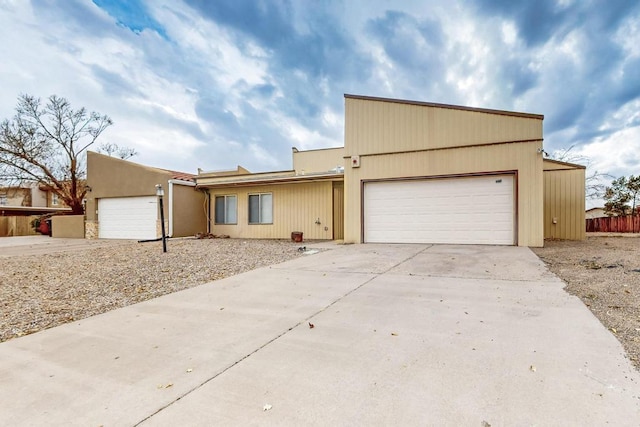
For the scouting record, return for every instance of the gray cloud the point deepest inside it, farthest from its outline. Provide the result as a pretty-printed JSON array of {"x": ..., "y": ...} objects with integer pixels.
[{"x": 208, "y": 82}]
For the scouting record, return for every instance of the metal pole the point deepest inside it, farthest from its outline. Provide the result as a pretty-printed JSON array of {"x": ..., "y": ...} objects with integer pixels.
[
  {"x": 160, "y": 194},
  {"x": 164, "y": 236}
]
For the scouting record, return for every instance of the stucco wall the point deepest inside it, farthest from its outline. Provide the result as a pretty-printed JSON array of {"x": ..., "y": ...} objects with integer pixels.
[
  {"x": 111, "y": 177},
  {"x": 189, "y": 211},
  {"x": 69, "y": 226}
]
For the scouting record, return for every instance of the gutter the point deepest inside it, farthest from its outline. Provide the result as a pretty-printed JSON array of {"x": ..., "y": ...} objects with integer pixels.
[
  {"x": 171, "y": 183},
  {"x": 273, "y": 180}
]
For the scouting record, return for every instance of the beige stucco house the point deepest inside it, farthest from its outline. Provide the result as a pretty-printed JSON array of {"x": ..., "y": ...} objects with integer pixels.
[
  {"x": 410, "y": 172},
  {"x": 121, "y": 201}
]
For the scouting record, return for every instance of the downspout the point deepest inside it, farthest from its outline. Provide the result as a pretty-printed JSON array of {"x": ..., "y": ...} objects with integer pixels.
[
  {"x": 208, "y": 193},
  {"x": 177, "y": 182}
]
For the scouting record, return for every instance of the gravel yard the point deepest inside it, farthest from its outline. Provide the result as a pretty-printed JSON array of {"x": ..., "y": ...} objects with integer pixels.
[
  {"x": 604, "y": 272},
  {"x": 39, "y": 292}
]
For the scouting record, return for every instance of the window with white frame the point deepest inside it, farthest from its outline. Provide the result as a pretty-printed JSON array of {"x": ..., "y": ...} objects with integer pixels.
[
  {"x": 226, "y": 211},
  {"x": 261, "y": 208},
  {"x": 54, "y": 199},
  {"x": 3, "y": 199}
]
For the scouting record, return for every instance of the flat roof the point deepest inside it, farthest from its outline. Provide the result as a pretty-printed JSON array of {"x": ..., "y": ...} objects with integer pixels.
[
  {"x": 447, "y": 106},
  {"x": 284, "y": 177},
  {"x": 571, "y": 165}
]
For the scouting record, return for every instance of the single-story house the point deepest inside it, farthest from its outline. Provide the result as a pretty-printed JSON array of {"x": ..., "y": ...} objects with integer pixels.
[
  {"x": 410, "y": 172},
  {"x": 308, "y": 199},
  {"x": 121, "y": 201},
  {"x": 596, "y": 212}
]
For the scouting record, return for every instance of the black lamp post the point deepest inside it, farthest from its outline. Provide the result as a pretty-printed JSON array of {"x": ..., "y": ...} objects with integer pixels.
[{"x": 160, "y": 194}]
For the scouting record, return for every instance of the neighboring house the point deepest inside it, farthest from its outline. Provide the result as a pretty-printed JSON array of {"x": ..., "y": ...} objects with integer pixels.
[
  {"x": 20, "y": 205},
  {"x": 595, "y": 213},
  {"x": 410, "y": 172},
  {"x": 122, "y": 204},
  {"x": 26, "y": 199}
]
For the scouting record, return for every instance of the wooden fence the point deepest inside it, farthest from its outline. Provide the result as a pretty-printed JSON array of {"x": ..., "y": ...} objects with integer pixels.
[
  {"x": 615, "y": 224},
  {"x": 16, "y": 226}
]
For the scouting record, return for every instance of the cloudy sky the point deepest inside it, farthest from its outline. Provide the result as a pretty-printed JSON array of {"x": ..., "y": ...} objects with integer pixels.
[{"x": 213, "y": 84}]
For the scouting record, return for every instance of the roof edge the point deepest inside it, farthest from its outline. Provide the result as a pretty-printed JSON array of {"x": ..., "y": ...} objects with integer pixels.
[
  {"x": 558, "y": 162},
  {"x": 446, "y": 106}
]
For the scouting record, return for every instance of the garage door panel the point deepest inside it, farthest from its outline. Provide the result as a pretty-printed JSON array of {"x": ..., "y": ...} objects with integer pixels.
[
  {"x": 478, "y": 210},
  {"x": 127, "y": 217}
]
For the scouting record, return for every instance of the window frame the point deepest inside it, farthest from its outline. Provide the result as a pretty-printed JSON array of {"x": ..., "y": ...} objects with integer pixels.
[
  {"x": 55, "y": 200},
  {"x": 260, "y": 219},
  {"x": 215, "y": 203}
]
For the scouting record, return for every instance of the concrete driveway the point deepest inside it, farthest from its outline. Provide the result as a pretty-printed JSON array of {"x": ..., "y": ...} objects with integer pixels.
[{"x": 403, "y": 335}]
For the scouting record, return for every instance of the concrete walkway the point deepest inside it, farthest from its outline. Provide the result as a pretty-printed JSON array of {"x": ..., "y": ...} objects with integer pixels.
[{"x": 403, "y": 335}]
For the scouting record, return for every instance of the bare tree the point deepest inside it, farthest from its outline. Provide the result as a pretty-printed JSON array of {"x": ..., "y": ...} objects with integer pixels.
[
  {"x": 110, "y": 149},
  {"x": 595, "y": 188},
  {"x": 46, "y": 144}
]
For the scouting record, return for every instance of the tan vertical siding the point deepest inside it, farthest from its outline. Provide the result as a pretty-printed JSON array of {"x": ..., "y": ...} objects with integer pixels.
[
  {"x": 384, "y": 127},
  {"x": 318, "y": 160},
  {"x": 564, "y": 191},
  {"x": 338, "y": 210},
  {"x": 522, "y": 158},
  {"x": 296, "y": 207},
  {"x": 396, "y": 140}
]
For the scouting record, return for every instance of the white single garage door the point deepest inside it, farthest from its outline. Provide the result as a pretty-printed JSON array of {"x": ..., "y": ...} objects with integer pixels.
[
  {"x": 128, "y": 217},
  {"x": 474, "y": 210}
]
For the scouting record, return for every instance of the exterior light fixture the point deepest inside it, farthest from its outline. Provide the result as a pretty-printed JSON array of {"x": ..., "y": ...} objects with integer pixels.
[{"x": 160, "y": 194}]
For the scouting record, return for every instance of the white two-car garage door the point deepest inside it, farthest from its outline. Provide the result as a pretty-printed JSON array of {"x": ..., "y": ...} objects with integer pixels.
[
  {"x": 469, "y": 210},
  {"x": 127, "y": 217}
]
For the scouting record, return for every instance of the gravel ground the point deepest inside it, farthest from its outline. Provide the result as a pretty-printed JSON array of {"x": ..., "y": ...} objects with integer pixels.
[
  {"x": 604, "y": 272},
  {"x": 39, "y": 292}
]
